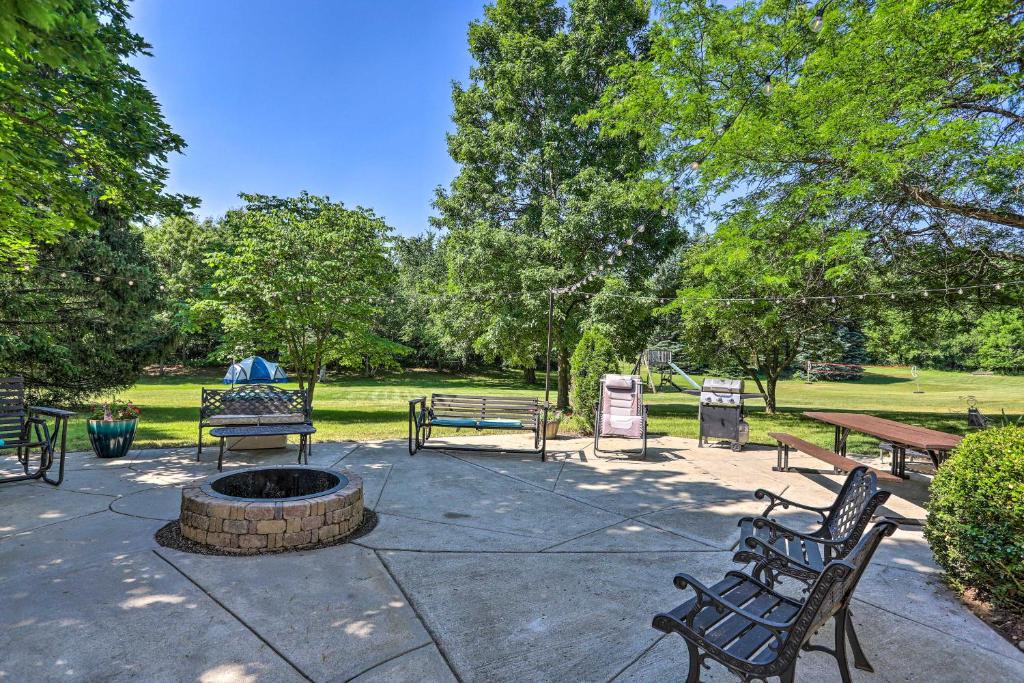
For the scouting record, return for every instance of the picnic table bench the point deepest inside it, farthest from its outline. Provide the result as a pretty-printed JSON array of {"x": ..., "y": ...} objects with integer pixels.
[
  {"x": 459, "y": 411},
  {"x": 840, "y": 463}
]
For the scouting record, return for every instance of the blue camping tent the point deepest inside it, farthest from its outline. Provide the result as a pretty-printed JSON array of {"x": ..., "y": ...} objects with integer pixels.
[{"x": 254, "y": 370}]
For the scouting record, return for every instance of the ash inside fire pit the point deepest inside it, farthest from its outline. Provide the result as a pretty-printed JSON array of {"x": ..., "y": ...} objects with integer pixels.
[{"x": 277, "y": 483}]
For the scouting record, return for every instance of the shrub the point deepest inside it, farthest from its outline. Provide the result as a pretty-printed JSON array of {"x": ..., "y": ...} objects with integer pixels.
[
  {"x": 976, "y": 516},
  {"x": 593, "y": 357}
]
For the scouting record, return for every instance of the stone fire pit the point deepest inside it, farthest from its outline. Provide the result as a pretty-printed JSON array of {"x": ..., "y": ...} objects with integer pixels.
[{"x": 285, "y": 506}]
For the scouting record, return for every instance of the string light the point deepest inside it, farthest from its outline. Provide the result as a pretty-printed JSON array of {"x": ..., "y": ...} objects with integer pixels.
[{"x": 818, "y": 21}]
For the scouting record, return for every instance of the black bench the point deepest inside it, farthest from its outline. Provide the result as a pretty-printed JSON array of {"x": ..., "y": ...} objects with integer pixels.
[
  {"x": 756, "y": 632},
  {"x": 511, "y": 413},
  {"x": 252, "y": 405},
  {"x": 839, "y": 463},
  {"x": 776, "y": 549}
]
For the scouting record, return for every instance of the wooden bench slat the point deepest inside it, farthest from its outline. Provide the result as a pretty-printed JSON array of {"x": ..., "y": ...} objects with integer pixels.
[{"x": 837, "y": 461}]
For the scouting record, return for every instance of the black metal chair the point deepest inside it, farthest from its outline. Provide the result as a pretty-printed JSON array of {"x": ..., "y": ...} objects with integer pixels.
[
  {"x": 755, "y": 632},
  {"x": 26, "y": 428},
  {"x": 775, "y": 549}
]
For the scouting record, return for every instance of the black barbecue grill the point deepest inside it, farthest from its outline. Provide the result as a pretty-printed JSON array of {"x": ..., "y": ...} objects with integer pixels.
[{"x": 720, "y": 412}]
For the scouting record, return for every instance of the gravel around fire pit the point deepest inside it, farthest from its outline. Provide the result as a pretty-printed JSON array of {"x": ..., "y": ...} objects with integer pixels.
[{"x": 169, "y": 536}]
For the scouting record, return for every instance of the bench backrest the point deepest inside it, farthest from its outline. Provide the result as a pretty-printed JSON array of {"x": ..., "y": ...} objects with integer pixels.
[
  {"x": 254, "y": 399},
  {"x": 831, "y": 591},
  {"x": 526, "y": 410},
  {"x": 854, "y": 506},
  {"x": 12, "y": 408}
]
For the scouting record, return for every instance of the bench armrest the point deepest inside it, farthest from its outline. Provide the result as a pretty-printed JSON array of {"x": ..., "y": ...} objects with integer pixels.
[
  {"x": 707, "y": 596},
  {"x": 777, "y": 530},
  {"x": 50, "y": 412},
  {"x": 776, "y": 500}
]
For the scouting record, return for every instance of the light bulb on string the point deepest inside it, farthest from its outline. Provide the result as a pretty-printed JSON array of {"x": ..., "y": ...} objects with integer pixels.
[
  {"x": 818, "y": 21},
  {"x": 640, "y": 229},
  {"x": 767, "y": 87},
  {"x": 97, "y": 279},
  {"x": 999, "y": 286},
  {"x": 629, "y": 241},
  {"x": 960, "y": 290},
  {"x": 833, "y": 299},
  {"x": 611, "y": 260},
  {"x": 924, "y": 293},
  {"x": 664, "y": 211},
  {"x": 892, "y": 296},
  {"x": 618, "y": 252},
  {"x": 860, "y": 296},
  {"x": 63, "y": 274},
  {"x": 131, "y": 283},
  {"x": 695, "y": 166}
]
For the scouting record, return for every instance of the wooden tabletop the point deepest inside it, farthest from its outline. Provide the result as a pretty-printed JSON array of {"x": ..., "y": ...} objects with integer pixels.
[{"x": 890, "y": 430}]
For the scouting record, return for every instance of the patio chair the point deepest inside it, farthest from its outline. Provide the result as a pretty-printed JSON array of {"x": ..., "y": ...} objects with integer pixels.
[
  {"x": 756, "y": 633},
  {"x": 26, "y": 428},
  {"x": 620, "y": 412},
  {"x": 775, "y": 549}
]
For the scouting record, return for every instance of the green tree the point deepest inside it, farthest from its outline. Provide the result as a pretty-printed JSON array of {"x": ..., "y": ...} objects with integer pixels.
[
  {"x": 541, "y": 196},
  {"x": 70, "y": 336},
  {"x": 1000, "y": 336},
  {"x": 593, "y": 357},
  {"x": 308, "y": 277},
  {"x": 180, "y": 247},
  {"x": 901, "y": 117},
  {"x": 78, "y": 127},
  {"x": 759, "y": 286}
]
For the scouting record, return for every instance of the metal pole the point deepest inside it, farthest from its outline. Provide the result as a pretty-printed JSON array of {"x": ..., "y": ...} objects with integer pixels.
[{"x": 547, "y": 362}]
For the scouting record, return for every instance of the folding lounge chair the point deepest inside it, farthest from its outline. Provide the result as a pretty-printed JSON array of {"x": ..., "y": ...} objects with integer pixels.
[{"x": 620, "y": 412}]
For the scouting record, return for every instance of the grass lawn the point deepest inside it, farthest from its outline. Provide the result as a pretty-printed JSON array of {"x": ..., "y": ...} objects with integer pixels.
[{"x": 360, "y": 408}]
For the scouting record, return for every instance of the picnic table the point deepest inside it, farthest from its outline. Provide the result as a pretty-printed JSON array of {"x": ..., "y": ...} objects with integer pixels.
[{"x": 902, "y": 436}]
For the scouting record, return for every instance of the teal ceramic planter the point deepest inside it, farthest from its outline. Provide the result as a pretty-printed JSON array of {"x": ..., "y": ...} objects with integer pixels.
[{"x": 112, "y": 439}]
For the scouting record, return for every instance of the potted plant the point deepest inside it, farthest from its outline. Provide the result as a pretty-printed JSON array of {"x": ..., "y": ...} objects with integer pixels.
[
  {"x": 551, "y": 427},
  {"x": 111, "y": 428}
]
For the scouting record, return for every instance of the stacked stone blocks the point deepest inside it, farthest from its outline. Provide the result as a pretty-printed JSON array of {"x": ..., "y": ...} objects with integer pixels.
[{"x": 240, "y": 525}]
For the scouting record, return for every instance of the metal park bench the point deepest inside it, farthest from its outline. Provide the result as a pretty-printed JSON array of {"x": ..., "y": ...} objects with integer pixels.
[
  {"x": 26, "y": 428},
  {"x": 756, "y": 632},
  {"x": 252, "y": 405},
  {"x": 776, "y": 549},
  {"x": 840, "y": 463},
  {"x": 456, "y": 411}
]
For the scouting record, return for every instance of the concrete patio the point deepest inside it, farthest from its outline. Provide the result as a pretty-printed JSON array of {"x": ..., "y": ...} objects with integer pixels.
[{"x": 483, "y": 568}]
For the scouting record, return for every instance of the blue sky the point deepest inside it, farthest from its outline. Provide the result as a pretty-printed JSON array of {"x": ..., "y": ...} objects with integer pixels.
[{"x": 349, "y": 98}]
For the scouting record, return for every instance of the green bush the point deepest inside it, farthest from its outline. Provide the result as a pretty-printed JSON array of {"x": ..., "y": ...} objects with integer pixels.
[
  {"x": 594, "y": 356},
  {"x": 976, "y": 516}
]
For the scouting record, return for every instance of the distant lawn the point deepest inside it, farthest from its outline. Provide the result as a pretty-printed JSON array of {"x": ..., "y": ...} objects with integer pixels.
[{"x": 357, "y": 408}]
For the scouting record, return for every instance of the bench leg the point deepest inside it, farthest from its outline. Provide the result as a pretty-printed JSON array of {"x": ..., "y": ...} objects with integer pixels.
[
  {"x": 860, "y": 660},
  {"x": 693, "y": 673},
  {"x": 840, "y": 646},
  {"x": 782, "y": 456}
]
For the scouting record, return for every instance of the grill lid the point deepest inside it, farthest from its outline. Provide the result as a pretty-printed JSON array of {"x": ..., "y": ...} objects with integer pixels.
[{"x": 721, "y": 385}]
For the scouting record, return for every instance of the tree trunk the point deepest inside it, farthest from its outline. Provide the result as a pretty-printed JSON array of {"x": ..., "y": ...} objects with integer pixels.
[
  {"x": 563, "y": 378},
  {"x": 770, "y": 404},
  {"x": 530, "y": 375}
]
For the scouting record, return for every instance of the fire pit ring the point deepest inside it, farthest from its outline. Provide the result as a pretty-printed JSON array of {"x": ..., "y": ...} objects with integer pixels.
[{"x": 272, "y": 508}]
